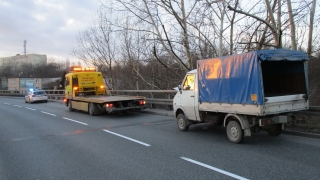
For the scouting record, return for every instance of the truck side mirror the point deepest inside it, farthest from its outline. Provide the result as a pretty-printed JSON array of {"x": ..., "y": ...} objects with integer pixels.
[{"x": 179, "y": 87}]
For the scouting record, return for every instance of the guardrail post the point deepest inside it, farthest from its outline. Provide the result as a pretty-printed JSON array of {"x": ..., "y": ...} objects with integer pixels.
[
  {"x": 169, "y": 106},
  {"x": 152, "y": 105}
]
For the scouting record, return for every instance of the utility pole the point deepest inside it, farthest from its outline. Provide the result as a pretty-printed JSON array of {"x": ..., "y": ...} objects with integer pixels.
[{"x": 25, "y": 46}]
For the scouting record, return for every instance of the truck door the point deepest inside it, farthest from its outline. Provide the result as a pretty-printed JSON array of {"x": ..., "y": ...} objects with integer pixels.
[
  {"x": 75, "y": 85},
  {"x": 68, "y": 88},
  {"x": 187, "y": 99}
]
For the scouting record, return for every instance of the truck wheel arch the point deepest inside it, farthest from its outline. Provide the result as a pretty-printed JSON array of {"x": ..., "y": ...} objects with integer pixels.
[
  {"x": 244, "y": 123},
  {"x": 180, "y": 111}
]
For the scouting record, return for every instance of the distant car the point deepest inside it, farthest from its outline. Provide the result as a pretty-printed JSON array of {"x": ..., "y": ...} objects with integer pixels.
[{"x": 36, "y": 96}]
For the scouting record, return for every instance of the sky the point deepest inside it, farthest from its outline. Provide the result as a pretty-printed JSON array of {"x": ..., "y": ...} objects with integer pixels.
[{"x": 49, "y": 26}]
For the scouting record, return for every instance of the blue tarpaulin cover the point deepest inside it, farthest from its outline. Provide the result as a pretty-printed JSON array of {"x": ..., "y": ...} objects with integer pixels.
[{"x": 237, "y": 79}]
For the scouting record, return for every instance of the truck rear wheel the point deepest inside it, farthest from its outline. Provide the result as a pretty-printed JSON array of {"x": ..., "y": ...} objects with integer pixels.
[
  {"x": 234, "y": 132},
  {"x": 91, "y": 109},
  {"x": 182, "y": 122},
  {"x": 275, "y": 130}
]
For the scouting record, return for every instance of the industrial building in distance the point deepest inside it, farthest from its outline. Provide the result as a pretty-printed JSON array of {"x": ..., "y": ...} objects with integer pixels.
[
  {"x": 18, "y": 83},
  {"x": 34, "y": 59},
  {"x": 26, "y": 84}
]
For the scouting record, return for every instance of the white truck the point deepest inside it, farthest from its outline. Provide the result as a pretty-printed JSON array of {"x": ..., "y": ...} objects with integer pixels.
[{"x": 259, "y": 90}]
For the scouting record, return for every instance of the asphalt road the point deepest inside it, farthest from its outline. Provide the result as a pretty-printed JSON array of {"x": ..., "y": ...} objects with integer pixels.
[{"x": 46, "y": 141}]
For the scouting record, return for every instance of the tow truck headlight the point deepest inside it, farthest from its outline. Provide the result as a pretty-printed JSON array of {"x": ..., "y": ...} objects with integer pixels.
[
  {"x": 101, "y": 87},
  {"x": 75, "y": 88}
]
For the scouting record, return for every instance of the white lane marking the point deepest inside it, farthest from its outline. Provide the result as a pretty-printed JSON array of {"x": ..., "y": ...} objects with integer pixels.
[
  {"x": 48, "y": 113},
  {"x": 215, "y": 169},
  {"x": 31, "y": 109},
  {"x": 75, "y": 121},
  {"x": 17, "y": 105},
  {"x": 145, "y": 144},
  {"x": 6, "y": 103}
]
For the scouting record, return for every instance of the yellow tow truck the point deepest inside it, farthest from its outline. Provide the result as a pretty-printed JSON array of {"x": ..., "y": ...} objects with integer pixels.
[{"x": 85, "y": 90}]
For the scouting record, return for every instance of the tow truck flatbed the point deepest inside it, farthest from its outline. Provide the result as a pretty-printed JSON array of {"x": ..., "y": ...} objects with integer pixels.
[{"x": 104, "y": 99}]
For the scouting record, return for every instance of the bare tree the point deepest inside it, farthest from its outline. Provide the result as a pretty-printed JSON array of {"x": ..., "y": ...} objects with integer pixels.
[
  {"x": 287, "y": 20},
  {"x": 312, "y": 13},
  {"x": 152, "y": 43},
  {"x": 166, "y": 23},
  {"x": 271, "y": 25},
  {"x": 6, "y": 71},
  {"x": 292, "y": 26}
]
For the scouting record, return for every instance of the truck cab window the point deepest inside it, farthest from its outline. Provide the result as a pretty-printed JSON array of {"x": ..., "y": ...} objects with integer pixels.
[
  {"x": 67, "y": 82},
  {"x": 75, "y": 82},
  {"x": 189, "y": 83}
]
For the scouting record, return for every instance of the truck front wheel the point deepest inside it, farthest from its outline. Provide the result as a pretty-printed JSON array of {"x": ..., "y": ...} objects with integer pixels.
[
  {"x": 91, "y": 109},
  {"x": 275, "y": 130},
  {"x": 182, "y": 122},
  {"x": 70, "y": 106},
  {"x": 234, "y": 132}
]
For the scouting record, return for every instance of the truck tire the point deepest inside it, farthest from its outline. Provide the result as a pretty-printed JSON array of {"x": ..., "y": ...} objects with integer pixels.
[
  {"x": 70, "y": 106},
  {"x": 275, "y": 130},
  {"x": 234, "y": 132},
  {"x": 91, "y": 109},
  {"x": 182, "y": 122}
]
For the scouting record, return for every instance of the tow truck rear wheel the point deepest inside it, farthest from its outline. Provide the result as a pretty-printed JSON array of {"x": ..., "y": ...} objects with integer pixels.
[
  {"x": 91, "y": 109},
  {"x": 70, "y": 106},
  {"x": 275, "y": 130},
  {"x": 234, "y": 132},
  {"x": 182, "y": 122}
]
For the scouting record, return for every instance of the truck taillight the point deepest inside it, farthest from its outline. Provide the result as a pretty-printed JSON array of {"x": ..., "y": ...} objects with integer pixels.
[
  {"x": 33, "y": 95},
  {"x": 64, "y": 100},
  {"x": 109, "y": 105},
  {"x": 264, "y": 122},
  {"x": 142, "y": 102}
]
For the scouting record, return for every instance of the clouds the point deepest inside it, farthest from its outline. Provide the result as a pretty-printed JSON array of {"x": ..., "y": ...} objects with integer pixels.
[{"x": 49, "y": 26}]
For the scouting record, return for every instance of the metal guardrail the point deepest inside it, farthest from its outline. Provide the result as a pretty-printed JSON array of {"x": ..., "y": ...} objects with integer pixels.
[
  {"x": 153, "y": 97},
  {"x": 312, "y": 111},
  {"x": 52, "y": 94},
  {"x": 150, "y": 95}
]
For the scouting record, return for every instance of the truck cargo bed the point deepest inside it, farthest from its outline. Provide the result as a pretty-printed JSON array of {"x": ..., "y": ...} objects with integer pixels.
[{"x": 274, "y": 105}]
